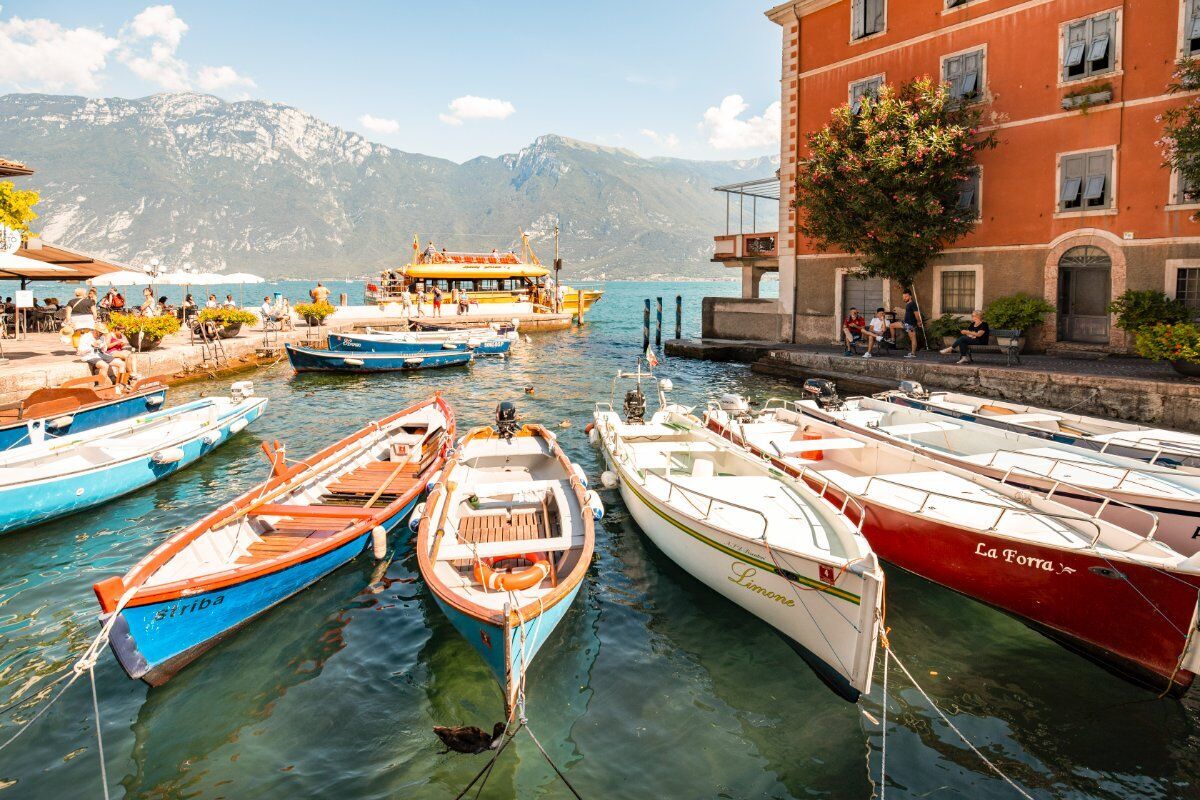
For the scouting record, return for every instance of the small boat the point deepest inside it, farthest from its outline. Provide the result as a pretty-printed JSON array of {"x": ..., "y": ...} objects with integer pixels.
[
  {"x": 76, "y": 405},
  {"x": 308, "y": 359},
  {"x": 1118, "y": 598},
  {"x": 1159, "y": 446},
  {"x": 505, "y": 541},
  {"x": 762, "y": 540},
  {"x": 407, "y": 343},
  {"x": 467, "y": 325},
  {"x": 491, "y": 329},
  {"x": 59, "y": 476},
  {"x": 277, "y": 539},
  {"x": 1156, "y": 501}
]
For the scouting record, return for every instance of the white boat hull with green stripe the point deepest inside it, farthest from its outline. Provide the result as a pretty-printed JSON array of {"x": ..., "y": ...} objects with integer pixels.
[{"x": 754, "y": 535}]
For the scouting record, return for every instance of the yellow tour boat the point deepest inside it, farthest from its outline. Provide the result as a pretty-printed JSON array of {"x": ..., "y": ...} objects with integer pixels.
[{"x": 493, "y": 277}]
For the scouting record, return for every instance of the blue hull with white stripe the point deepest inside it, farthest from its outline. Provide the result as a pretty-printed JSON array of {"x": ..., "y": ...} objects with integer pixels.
[
  {"x": 344, "y": 342},
  {"x": 305, "y": 359},
  {"x": 30, "y": 502},
  {"x": 86, "y": 418},
  {"x": 155, "y": 641}
]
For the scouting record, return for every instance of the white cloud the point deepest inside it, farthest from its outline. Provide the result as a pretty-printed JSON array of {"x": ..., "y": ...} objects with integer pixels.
[
  {"x": 472, "y": 107},
  {"x": 159, "y": 22},
  {"x": 667, "y": 140},
  {"x": 40, "y": 54},
  {"x": 728, "y": 131},
  {"x": 378, "y": 124},
  {"x": 210, "y": 79}
]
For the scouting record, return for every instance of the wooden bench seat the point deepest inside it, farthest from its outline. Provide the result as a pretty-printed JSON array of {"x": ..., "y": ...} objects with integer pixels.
[
  {"x": 367, "y": 479},
  {"x": 315, "y": 511}
]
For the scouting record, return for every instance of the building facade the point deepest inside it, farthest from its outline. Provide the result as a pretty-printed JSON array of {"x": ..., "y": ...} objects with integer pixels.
[{"x": 1074, "y": 204}]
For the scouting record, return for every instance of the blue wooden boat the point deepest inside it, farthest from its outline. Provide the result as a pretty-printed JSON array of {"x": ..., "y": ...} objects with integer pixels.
[
  {"x": 39, "y": 482},
  {"x": 403, "y": 342},
  {"x": 76, "y": 405},
  {"x": 504, "y": 543},
  {"x": 280, "y": 537},
  {"x": 305, "y": 359}
]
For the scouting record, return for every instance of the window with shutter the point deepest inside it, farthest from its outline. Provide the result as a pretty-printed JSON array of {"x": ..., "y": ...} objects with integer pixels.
[
  {"x": 1097, "y": 188},
  {"x": 1185, "y": 190},
  {"x": 858, "y": 10},
  {"x": 865, "y": 88},
  {"x": 956, "y": 3},
  {"x": 1089, "y": 46},
  {"x": 875, "y": 9},
  {"x": 1071, "y": 181},
  {"x": 866, "y": 17},
  {"x": 968, "y": 193},
  {"x": 962, "y": 73},
  {"x": 1191, "y": 28}
]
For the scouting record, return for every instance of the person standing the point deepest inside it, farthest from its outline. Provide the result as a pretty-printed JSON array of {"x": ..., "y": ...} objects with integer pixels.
[
  {"x": 319, "y": 293},
  {"x": 149, "y": 308},
  {"x": 912, "y": 321},
  {"x": 437, "y": 300},
  {"x": 81, "y": 311}
]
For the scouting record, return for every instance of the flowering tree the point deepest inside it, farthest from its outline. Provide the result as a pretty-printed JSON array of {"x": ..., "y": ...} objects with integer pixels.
[
  {"x": 1181, "y": 135},
  {"x": 885, "y": 183}
]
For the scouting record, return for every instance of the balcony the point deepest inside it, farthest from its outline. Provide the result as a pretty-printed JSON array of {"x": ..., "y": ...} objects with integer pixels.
[
  {"x": 739, "y": 246},
  {"x": 754, "y": 251}
]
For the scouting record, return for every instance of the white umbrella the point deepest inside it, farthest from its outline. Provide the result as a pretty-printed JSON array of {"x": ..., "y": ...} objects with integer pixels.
[
  {"x": 122, "y": 278},
  {"x": 182, "y": 278},
  {"x": 241, "y": 278}
]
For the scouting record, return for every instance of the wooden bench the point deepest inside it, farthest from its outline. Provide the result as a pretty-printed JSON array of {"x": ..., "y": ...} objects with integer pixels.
[{"x": 1011, "y": 351}]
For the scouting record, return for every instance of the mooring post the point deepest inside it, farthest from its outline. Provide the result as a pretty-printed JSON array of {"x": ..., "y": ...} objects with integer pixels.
[
  {"x": 579, "y": 302},
  {"x": 657, "y": 321},
  {"x": 678, "y": 316},
  {"x": 344, "y": 300},
  {"x": 646, "y": 325}
]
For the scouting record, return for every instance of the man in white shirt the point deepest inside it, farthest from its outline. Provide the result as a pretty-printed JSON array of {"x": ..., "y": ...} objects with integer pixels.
[{"x": 876, "y": 329}]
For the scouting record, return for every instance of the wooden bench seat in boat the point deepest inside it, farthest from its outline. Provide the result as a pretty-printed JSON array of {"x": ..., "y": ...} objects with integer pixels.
[
  {"x": 367, "y": 479},
  {"x": 312, "y": 511}
]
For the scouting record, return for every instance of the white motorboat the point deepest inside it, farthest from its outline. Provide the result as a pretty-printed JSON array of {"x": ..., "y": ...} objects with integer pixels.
[{"x": 750, "y": 533}]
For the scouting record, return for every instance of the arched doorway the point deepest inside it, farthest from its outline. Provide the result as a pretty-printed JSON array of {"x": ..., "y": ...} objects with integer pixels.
[{"x": 1084, "y": 290}]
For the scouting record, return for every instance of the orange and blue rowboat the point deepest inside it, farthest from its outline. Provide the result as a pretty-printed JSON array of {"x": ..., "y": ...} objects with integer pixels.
[{"x": 277, "y": 539}]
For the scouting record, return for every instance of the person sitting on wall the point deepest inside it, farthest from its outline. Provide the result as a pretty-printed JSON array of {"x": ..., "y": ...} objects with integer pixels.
[
  {"x": 976, "y": 333},
  {"x": 912, "y": 321},
  {"x": 852, "y": 330},
  {"x": 876, "y": 330}
]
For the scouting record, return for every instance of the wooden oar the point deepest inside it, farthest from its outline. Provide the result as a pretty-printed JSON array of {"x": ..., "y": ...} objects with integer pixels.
[
  {"x": 386, "y": 483},
  {"x": 438, "y": 533}
]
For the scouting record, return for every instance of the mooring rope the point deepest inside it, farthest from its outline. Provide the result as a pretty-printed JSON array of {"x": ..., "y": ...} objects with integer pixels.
[{"x": 99, "y": 735}]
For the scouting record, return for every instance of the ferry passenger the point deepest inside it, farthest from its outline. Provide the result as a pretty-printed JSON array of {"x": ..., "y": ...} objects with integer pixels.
[
  {"x": 420, "y": 298},
  {"x": 430, "y": 252},
  {"x": 406, "y": 303}
]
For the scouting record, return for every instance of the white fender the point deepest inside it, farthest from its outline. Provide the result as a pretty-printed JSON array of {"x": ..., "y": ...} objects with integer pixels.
[
  {"x": 410, "y": 361},
  {"x": 156, "y": 400},
  {"x": 238, "y": 424},
  {"x": 579, "y": 473},
  {"x": 594, "y": 503},
  {"x": 608, "y": 479},
  {"x": 379, "y": 542},
  {"x": 433, "y": 479},
  {"x": 212, "y": 437},
  {"x": 168, "y": 455},
  {"x": 354, "y": 362},
  {"x": 414, "y": 522},
  {"x": 593, "y": 437},
  {"x": 61, "y": 422}
]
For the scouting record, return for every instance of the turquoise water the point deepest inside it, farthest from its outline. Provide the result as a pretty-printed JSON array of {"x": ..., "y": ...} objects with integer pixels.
[{"x": 652, "y": 686}]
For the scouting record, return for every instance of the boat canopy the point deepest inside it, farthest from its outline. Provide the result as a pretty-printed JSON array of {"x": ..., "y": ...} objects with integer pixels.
[{"x": 464, "y": 271}]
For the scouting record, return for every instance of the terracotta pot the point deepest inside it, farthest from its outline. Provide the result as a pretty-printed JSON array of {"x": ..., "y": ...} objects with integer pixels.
[
  {"x": 143, "y": 342},
  {"x": 1187, "y": 368},
  {"x": 229, "y": 331},
  {"x": 313, "y": 322}
]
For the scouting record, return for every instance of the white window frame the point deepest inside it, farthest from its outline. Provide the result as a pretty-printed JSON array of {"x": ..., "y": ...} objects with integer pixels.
[
  {"x": 948, "y": 9},
  {"x": 1117, "y": 45},
  {"x": 868, "y": 36},
  {"x": 882, "y": 77},
  {"x": 1112, "y": 209},
  {"x": 1183, "y": 32},
  {"x": 1171, "y": 273},
  {"x": 1174, "y": 201},
  {"x": 937, "y": 285},
  {"x": 983, "y": 93}
]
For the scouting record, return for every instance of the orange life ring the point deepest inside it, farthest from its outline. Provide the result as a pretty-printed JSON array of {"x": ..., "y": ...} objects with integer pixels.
[{"x": 512, "y": 580}]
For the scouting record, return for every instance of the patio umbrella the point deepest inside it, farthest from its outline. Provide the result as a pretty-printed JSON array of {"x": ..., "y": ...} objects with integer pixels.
[
  {"x": 241, "y": 278},
  {"x": 122, "y": 278}
]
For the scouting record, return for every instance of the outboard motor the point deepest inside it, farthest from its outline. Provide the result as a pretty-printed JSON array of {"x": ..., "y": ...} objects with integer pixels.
[
  {"x": 506, "y": 419},
  {"x": 635, "y": 407},
  {"x": 913, "y": 389},
  {"x": 736, "y": 406},
  {"x": 823, "y": 392}
]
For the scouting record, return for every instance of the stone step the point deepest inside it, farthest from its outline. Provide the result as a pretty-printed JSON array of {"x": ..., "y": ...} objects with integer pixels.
[{"x": 1088, "y": 352}]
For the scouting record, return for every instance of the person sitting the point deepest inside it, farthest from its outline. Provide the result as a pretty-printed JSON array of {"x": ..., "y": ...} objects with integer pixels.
[
  {"x": 188, "y": 309},
  {"x": 852, "y": 329},
  {"x": 974, "y": 334},
  {"x": 90, "y": 352},
  {"x": 268, "y": 312},
  {"x": 876, "y": 331},
  {"x": 149, "y": 308},
  {"x": 164, "y": 307},
  {"x": 115, "y": 344},
  {"x": 211, "y": 302},
  {"x": 229, "y": 302},
  {"x": 284, "y": 310}
]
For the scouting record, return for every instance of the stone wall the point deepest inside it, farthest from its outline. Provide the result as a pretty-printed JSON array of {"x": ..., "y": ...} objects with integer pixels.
[{"x": 732, "y": 318}]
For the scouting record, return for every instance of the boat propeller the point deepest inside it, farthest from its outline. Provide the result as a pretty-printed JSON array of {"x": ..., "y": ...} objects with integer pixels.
[{"x": 823, "y": 392}]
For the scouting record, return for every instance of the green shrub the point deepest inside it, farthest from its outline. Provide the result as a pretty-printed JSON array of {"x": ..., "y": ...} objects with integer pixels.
[
  {"x": 150, "y": 327},
  {"x": 946, "y": 325},
  {"x": 318, "y": 311},
  {"x": 1020, "y": 311},
  {"x": 227, "y": 317},
  {"x": 1143, "y": 308},
  {"x": 1180, "y": 342}
]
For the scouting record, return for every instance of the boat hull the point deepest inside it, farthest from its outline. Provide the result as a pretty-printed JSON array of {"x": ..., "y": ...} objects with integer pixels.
[
  {"x": 155, "y": 641},
  {"x": 750, "y": 579},
  {"x": 85, "y": 418},
  {"x": 349, "y": 343},
  {"x": 1169, "y": 458},
  {"x": 1077, "y": 598},
  {"x": 28, "y": 504},
  {"x": 308, "y": 360}
]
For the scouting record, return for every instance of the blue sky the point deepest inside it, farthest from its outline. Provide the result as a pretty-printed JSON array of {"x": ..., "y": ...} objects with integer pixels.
[{"x": 456, "y": 79}]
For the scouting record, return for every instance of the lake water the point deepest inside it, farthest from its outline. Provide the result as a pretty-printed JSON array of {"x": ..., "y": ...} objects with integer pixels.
[{"x": 653, "y": 686}]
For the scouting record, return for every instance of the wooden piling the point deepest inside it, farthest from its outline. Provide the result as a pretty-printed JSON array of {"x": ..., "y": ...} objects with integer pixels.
[
  {"x": 678, "y": 316},
  {"x": 646, "y": 326},
  {"x": 579, "y": 301},
  {"x": 658, "y": 322},
  {"x": 344, "y": 300}
]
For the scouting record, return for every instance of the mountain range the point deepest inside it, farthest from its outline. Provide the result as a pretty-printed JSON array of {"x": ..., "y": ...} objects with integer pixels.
[{"x": 262, "y": 187}]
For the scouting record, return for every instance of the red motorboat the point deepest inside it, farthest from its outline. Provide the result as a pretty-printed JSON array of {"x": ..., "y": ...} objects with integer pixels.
[{"x": 1114, "y": 596}]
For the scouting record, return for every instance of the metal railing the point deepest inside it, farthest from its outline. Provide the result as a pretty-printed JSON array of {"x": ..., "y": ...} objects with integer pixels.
[
  {"x": 1104, "y": 502},
  {"x": 1160, "y": 447},
  {"x": 1125, "y": 473}
]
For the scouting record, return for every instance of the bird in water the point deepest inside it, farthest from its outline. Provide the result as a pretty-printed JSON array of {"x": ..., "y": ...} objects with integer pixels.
[
  {"x": 528, "y": 390},
  {"x": 469, "y": 739},
  {"x": 528, "y": 338}
]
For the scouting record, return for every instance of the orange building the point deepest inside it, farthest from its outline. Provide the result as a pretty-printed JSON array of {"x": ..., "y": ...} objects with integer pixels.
[{"x": 1074, "y": 205}]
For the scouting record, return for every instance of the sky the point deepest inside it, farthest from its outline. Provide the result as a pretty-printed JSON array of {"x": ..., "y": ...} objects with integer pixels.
[{"x": 456, "y": 78}]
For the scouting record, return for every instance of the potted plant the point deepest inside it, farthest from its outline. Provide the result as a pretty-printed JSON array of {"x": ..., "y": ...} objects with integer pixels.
[
  {"x": 1178, "y": 344},
  {"x": 1088, "y": 96},
  {"x": 1020, "y": 312},
  {"x": 144, "y": 333},
  {"x": 1138, "y": 309},
  {"x": 946, "y": 327},
  {"x": 230, "y": 320},
  {"x": 314, "y": 313}
]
